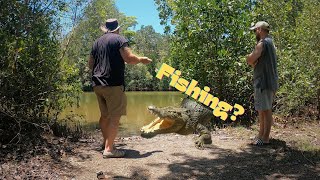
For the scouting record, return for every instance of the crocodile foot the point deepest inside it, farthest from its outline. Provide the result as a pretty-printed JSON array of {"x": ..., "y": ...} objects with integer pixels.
[{"x": 202, "y": 140}]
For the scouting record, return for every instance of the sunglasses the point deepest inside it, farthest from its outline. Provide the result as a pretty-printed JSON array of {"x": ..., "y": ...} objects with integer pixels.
[{"x": 255, "y": 30}]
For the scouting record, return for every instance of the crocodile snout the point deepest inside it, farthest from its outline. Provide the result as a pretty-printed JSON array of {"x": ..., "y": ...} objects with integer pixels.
[{"x": 151, "y": 107}]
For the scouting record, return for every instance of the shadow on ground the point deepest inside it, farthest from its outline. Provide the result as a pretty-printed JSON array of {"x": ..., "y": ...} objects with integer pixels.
[
  {"x": 133, "y": 154},
  {"x": 138, "y": 173},
  {"x": 269, "y": 162}
]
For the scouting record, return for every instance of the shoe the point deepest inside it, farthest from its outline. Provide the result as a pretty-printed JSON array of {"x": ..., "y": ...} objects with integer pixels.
[
  {"x": 115, "y": 153},
  {"x": 259, "y": 142}
]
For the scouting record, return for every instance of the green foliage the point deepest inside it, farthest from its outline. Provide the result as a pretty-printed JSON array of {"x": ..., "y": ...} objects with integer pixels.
[
  {"x": 209, "y": 43},
  {"x": 147, "y": 42},
  {"x": 138, "y": 78},
  {"x": 210, "y": 40},
  {"x": 34, "y": 83}
]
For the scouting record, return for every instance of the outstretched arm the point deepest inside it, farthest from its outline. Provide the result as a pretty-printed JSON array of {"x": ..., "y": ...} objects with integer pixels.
[{"x": 131, "y": 58}]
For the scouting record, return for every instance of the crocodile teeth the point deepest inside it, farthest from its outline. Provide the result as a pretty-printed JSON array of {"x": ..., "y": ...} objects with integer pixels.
[
  {"x": 157, "y": 124},
  {"x": 148, "y": 127}
]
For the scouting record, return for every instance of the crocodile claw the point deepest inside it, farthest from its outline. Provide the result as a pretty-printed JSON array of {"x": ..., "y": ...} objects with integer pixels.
[{"x": 199, "y": 144}]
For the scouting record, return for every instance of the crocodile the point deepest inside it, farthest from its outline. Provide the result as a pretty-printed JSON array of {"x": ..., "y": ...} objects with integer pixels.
[{"x": 190, "y": 117}]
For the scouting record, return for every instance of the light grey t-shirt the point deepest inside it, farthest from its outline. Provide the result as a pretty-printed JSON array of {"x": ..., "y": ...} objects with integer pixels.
[{"x": 265, "y": 74}]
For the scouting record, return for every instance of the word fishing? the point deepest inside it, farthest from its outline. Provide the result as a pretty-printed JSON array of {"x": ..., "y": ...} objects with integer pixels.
[{"x": 220, "y": 108}]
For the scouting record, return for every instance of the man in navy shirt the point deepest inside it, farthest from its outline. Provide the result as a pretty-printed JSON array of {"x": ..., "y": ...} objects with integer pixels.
[{"x": 107, "y": 62}]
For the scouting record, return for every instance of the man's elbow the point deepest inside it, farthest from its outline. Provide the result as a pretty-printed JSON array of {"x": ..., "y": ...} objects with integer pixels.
[
  {"x": 248, "y": 60},
  {"x": 130, "y": 62},
  {"x": 127, "y": 60}
]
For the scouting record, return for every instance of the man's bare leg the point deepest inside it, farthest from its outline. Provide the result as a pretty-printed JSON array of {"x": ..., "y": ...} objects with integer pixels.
[
  {"x": 103, "y": 122},
  {"x": 261, "y": 124},
  {"x": 267, "y": 125},
  {"x": 112, "y": 131}
]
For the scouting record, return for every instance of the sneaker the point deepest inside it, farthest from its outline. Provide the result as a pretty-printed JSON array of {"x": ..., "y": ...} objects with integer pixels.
[{"x": 116, "y": 153}]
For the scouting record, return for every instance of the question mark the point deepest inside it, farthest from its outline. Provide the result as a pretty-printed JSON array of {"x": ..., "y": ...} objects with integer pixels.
[
  {"x": 236, "y": 113},
  {"x": 221, "y": 110}
]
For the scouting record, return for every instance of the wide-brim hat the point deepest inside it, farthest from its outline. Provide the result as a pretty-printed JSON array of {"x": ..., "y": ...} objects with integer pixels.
[
  {"x": 111, "y": 25},
  {"x": 260, "y": 24}
]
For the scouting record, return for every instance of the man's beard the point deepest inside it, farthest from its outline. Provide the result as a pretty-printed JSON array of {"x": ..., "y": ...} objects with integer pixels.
[{"x": 258, "y": 38}]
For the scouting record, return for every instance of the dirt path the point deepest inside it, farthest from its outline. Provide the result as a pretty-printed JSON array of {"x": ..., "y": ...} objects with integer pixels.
[
  {"x": 294, "y": 154},
  {"x": 175, "y": 157}
]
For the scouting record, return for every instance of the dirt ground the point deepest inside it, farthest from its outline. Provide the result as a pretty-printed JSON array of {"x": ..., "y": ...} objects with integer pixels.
[{"x": 294, "y": 154}]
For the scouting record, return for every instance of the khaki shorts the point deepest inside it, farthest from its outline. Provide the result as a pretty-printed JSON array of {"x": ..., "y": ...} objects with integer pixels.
[
  {"x": 263, "y": 99},
  {"x": 112, "y": 100}
]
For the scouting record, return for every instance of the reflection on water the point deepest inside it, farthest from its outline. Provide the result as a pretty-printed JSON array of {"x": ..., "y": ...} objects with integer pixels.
[{"x": 137, "y": 113}]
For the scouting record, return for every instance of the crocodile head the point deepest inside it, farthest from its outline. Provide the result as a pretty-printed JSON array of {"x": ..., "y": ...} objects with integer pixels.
[
  {"x": 169, "y": 120},
  {"x": 190, "y": 117}
]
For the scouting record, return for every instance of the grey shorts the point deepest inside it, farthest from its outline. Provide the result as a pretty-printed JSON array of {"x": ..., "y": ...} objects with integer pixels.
[{"x": 263, "y": 99}]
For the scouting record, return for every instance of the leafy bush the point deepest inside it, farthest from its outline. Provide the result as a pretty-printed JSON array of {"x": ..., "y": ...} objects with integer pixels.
[
  {"x": 210, "y": 40},
  {"x": 35, "y": 83},
  {"x": 209, "y": 43}
]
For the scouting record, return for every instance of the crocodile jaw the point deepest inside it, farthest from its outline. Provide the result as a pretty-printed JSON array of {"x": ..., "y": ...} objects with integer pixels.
[{"x": 160, "y": 126}]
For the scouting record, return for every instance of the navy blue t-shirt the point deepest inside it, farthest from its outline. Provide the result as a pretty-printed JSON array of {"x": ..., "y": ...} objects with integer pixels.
[{"x": 108, "y": 68}]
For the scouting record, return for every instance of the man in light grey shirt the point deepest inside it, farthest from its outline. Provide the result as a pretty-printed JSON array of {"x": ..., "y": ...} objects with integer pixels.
[{"x": 265, "y": 79}]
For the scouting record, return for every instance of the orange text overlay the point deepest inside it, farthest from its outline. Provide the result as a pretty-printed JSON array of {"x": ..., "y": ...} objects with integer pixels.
[{"x": 220, "y": 108}]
